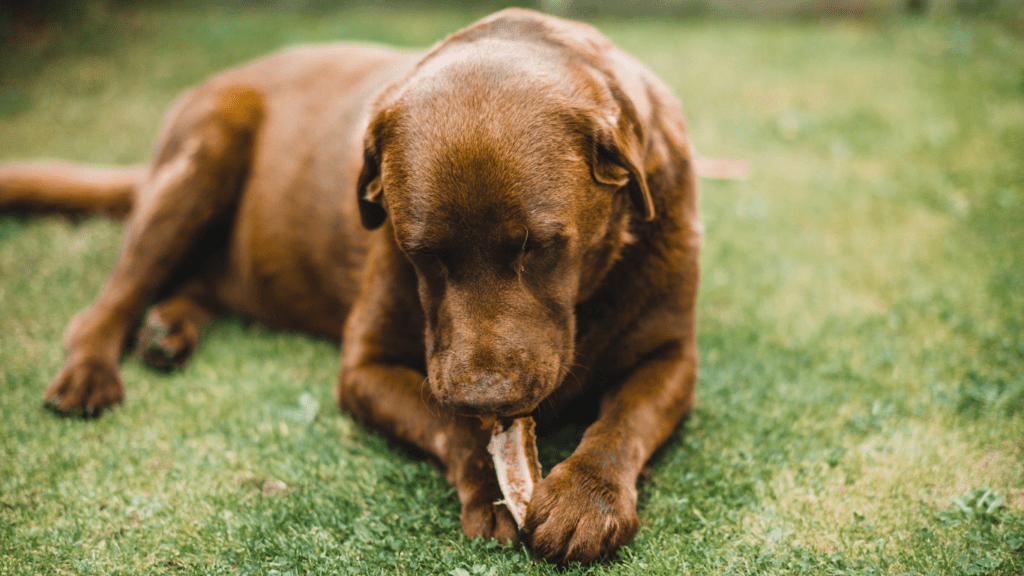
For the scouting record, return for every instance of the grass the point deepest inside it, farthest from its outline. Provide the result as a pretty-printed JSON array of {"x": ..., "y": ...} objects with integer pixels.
[{"x": 861, "y": 401}]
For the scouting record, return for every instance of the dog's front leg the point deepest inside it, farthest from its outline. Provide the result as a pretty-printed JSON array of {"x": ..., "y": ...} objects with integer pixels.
[
  {"x": 389, "y": 398},
  {"x": 586, "y": 507},
  {"x": 383, "y": 384}
]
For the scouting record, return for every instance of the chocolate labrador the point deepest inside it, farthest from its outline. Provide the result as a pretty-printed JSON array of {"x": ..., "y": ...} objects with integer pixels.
[{"x": 501, "y": 226}]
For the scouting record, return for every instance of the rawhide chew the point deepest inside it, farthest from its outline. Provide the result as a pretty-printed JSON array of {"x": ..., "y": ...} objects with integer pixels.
[{"x": 514, "y": 450}]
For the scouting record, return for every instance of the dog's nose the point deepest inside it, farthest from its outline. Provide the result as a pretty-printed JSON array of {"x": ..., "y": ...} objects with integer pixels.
[{"x": 484, "y": 393}]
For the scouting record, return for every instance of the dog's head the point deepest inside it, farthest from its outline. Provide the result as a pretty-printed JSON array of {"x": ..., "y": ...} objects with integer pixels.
[{"x": 510, "y": 171}]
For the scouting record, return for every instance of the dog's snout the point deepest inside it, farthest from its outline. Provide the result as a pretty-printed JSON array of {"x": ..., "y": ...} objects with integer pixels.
[{"x": 483, "y": 392}]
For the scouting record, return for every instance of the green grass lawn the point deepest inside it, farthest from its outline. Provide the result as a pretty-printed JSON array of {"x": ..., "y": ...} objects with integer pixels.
[{"x": 861, "y": 399}]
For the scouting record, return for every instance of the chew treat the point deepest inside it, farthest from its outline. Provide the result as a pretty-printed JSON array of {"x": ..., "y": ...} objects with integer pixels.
[{"x": 514, "y": 450}]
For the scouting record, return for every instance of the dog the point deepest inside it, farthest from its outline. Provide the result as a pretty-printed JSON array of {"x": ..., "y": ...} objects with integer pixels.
[{"x": 503, "y": 225}]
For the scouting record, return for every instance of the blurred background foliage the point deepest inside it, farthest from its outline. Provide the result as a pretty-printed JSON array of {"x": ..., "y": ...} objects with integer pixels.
[
  {"x": 19, "y": 18},
  {"x": 862, "y": 309},
  {"x": 41, "y": 29}
]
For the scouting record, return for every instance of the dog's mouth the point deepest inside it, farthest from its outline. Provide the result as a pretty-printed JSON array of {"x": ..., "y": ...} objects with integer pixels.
[{"x": 487, "y": 420}]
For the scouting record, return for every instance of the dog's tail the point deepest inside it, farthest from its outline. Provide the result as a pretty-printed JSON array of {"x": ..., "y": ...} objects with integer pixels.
[{"x": 73, "y": 190}]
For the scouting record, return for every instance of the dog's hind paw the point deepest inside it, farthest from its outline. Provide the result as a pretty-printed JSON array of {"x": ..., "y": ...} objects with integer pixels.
[
  {"x": 166, "y": 344},
  {"x": 84, "y": 388}
]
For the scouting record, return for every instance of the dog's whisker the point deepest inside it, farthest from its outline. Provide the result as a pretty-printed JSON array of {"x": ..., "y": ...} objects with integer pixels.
[
  {"x": 425, "y": 398},
  {"x": 549, "y": 404},
  {"x": 567, "y": 371}
]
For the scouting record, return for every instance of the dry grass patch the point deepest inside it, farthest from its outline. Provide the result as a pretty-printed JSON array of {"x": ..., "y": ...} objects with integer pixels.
[{"x": 885, "y": 483}]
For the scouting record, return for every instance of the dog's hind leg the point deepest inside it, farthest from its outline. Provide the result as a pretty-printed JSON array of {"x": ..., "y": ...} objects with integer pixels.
[
  {"x": 196, "y": 182},
  {"x": 171, "y": 331}
]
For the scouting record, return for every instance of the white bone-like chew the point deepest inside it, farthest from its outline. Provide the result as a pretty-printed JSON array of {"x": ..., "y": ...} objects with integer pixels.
[{"x": 516, "y": 464}]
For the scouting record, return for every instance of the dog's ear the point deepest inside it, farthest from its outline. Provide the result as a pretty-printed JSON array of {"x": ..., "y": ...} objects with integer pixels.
[
  {"x": 369, "y": 188},
  {"x": 619, "y": 156}
]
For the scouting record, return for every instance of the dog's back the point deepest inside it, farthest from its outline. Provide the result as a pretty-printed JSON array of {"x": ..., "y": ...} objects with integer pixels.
[{"x": 306, "y": 109}]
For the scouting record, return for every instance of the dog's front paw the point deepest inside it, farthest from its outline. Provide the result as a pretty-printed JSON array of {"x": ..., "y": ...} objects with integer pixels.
[
  {"x": 482, "y": 517},
  {"x": 85, "y": 387},
  {"x": 471, "y": 472},
  {"x": 580, "y": 512}
]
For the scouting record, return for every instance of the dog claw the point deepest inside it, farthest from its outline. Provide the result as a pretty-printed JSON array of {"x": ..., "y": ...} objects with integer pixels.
[{"x": 85, "y": 389}]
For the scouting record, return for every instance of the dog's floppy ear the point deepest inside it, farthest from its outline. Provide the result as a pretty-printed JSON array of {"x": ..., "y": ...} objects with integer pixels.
[
  {"x": 369, "y": 188},
  {"x": 619, "y": 155}
]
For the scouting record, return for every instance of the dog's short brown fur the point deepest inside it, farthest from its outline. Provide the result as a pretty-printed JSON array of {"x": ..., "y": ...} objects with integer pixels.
[{"x": 531, "y": 200}]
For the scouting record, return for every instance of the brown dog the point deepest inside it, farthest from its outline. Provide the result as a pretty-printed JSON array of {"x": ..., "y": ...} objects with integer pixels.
[{"x": 532, "y": 200}]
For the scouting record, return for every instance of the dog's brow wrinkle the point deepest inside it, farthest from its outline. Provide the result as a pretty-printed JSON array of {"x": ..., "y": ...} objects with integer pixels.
[
  {"x": 412, "y": 246},
  {"x": 547, "y": 231}
]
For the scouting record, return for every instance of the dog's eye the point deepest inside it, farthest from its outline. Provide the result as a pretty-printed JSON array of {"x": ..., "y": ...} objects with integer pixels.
[
  {"x": 417, "y": 250},
  {"x": 527, "y": 251},
  {"x": 424, "y": 258}
]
